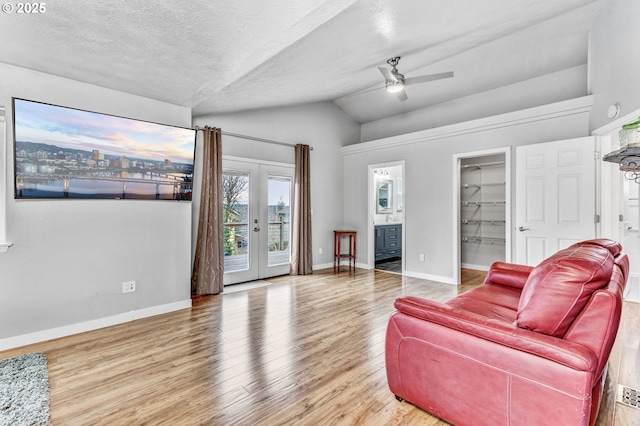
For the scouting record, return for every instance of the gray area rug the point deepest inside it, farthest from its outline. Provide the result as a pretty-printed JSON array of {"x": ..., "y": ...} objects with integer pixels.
[{"x": 24, "y": 390}]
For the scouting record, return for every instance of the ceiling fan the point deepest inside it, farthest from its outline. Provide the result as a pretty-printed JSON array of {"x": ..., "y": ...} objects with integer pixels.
[{"x": 395, "y": 82}]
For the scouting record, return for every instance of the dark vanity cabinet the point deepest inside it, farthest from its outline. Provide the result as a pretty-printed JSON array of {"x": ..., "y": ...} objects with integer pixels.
[{"x": 388, "y": 240}]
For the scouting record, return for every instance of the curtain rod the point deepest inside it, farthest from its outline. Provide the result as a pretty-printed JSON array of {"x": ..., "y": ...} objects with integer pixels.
[{"x": 253, "y": 138}]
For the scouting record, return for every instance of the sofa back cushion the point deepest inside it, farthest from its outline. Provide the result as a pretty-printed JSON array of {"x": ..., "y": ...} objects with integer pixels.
[{"x": 561, "y": 285}]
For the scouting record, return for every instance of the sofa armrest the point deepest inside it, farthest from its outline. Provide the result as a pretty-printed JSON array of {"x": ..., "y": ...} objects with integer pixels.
[
  {"x": 508, "y": 274},
  {"x": 564, "y": 352}
]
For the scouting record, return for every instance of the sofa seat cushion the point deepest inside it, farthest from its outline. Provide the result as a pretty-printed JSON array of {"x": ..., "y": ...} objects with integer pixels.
[
  {"x": 489, "y": 311},
  {"x": 495, "y": 303},
  {"x": 507, "y": 297},
  {"x": 560, "y": 286}
]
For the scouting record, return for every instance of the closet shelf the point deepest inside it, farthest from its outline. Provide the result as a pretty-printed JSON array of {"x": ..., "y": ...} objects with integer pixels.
[
  {"x": 482, "y": 203},
  {"x": 483, "y": 240},
  {"x": 481, "y": 165},
  {"x": 480, "y": 185},
  {"x": 483, "y": 221}
]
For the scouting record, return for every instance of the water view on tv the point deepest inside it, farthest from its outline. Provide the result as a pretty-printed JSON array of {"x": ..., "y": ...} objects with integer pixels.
[{"x": 63, "y": 152}]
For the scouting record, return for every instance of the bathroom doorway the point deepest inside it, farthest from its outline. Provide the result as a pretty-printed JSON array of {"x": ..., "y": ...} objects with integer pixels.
[{"x": 386, "y": 217}]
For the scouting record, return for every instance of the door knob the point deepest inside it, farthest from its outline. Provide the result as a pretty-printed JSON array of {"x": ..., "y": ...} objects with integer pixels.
[{"x": 522, "y": 229}]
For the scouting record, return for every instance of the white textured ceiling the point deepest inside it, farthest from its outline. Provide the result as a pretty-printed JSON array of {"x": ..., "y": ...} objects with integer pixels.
[{"x": 225, "y": 56}]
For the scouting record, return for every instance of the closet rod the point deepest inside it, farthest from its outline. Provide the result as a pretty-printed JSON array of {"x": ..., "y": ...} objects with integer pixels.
[{"x": 253, "y": 138}]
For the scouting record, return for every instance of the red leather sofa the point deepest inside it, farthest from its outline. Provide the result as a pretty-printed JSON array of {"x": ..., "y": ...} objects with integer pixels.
[{"x": 528, "y": 347}]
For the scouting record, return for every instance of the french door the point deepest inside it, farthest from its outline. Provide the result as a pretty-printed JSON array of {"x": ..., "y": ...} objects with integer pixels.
[{"x": 257, "y": 200}]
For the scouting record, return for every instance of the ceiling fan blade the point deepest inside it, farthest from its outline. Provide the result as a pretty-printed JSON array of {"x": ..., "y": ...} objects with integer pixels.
[
  {"x": 430, "y": 77},
  {"x": 387, "y": 74},
  {"x": 402, "y": 95}
]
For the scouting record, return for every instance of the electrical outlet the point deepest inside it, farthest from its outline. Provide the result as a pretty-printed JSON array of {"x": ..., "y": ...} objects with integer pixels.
[
  {"x": 421, "y": 257},
  {"x": 128, "y": 286},
  {"x": 320, "y": 250}
]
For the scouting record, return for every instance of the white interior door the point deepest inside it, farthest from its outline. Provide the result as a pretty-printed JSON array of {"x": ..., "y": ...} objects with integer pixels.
[
  {"x": 257, "y": 200},
  {"x": 555, "y": 197}
]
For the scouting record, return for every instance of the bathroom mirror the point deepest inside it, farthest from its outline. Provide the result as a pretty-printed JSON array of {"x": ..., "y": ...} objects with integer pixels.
[{"x": 384, "y": 197}]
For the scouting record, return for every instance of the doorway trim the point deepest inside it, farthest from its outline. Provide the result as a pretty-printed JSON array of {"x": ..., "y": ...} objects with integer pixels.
[
  {"x": 371, "y": 212},
  {"x": 457, "y": 158},
  {"x": 611, "y": 199},
  {"x": 608, "y": 202}
]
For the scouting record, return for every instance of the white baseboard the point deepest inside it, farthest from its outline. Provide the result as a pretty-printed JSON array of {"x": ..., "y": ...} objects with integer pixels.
[
  {"x": 322, "y": 266},
  {"x": 440, "y": 279},
  {"x": 475, "y": 267},
  {"x": 161, "y": 309},
  {"x": 330, "y": 265},
  {"x": 68, "y": 330}
]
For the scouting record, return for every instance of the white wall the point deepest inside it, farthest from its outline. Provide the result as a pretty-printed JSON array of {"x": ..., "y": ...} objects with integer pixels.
[
  {"x": 325, "y": 127},
  {"x": 559, "y": 86},
  {"x": 614, "y": 63},
  {"x": 70, "y": 257},
  {"x": 428, "y": 189}
]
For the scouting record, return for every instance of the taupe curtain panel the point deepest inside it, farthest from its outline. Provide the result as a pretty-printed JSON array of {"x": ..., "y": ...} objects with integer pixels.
[
  {"x": 208, "y": 264},
  {"x": 301, "y": 251}
]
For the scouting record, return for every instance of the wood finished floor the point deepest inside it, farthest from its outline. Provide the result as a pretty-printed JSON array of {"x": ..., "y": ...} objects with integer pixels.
[{"x": 305, "y": 350}]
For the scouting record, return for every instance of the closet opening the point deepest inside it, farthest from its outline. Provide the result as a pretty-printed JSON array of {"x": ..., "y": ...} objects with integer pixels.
[{"x": 482, "y": 209}]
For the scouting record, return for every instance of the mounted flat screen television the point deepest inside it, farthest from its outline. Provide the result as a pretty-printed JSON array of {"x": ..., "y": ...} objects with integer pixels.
[{"x": 62, "y": 152}]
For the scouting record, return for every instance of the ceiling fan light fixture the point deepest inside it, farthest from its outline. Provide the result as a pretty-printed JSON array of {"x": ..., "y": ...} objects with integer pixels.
[
  {"x": 395, "y": 86},
  {"x": 395, "y": 81}
]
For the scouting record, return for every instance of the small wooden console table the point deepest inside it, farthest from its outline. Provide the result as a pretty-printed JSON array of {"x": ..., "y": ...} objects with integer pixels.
[{"x": 337, "y": 252}]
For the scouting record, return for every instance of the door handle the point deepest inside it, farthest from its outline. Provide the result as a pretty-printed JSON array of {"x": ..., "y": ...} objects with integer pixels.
[
  {"x": 522, "y": 229},
  {"x": 256, "y": 229}
]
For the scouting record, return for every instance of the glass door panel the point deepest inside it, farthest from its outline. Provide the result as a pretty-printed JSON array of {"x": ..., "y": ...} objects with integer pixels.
[
  {"x": 275, "y": 215},
  {"x": 279, "y": 210},
  {"x": 240, "y": 199},
  {"x": 235, "y": 214}
]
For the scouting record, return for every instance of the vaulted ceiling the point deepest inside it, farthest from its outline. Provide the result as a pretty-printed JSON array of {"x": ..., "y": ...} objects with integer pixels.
[{"x": 225, "y": 56}]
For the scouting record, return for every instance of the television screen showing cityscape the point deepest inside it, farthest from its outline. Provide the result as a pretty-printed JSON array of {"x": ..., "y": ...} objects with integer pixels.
[{"x": 63, "y": 152}]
